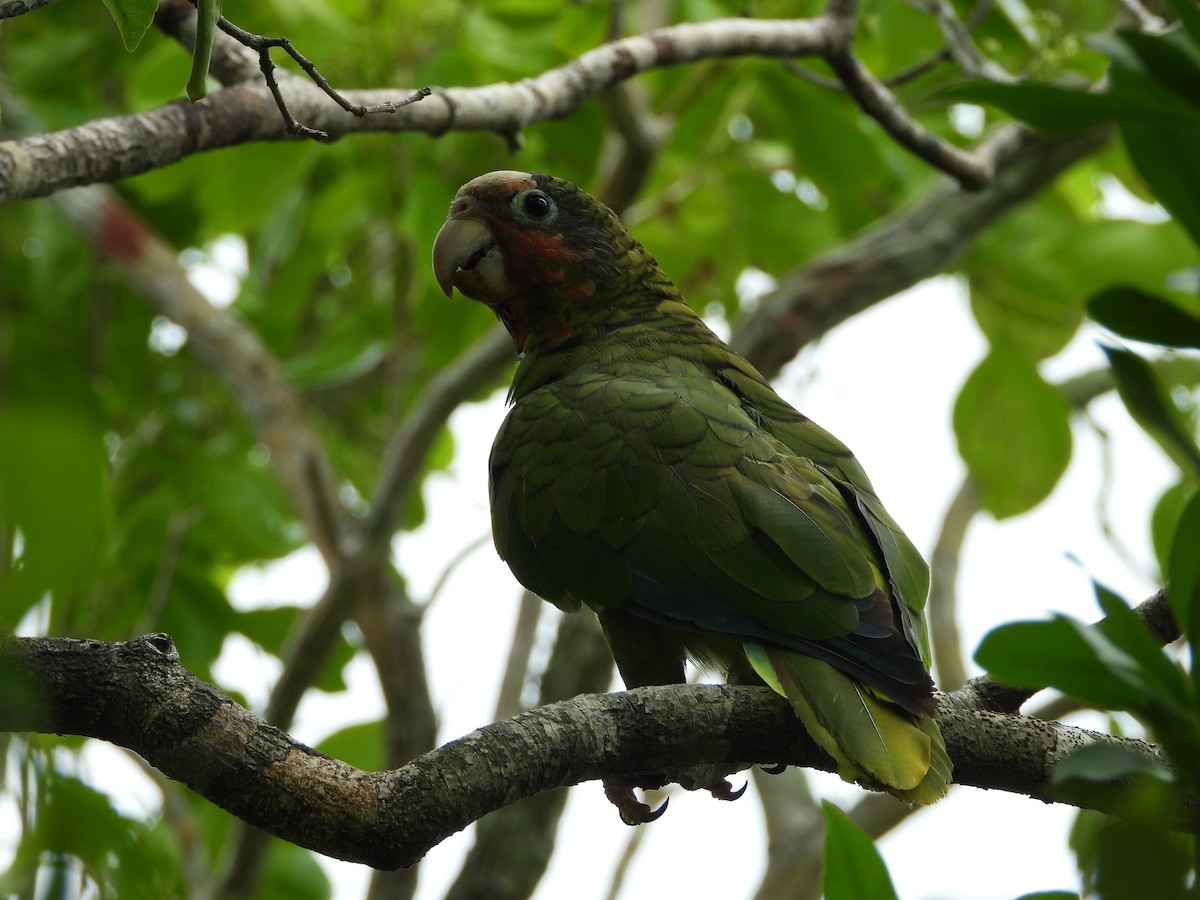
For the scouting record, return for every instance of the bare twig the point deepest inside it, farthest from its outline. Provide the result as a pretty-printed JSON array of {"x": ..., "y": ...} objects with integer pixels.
[
  {"x": 959, "y": 45},
  {"x": 638, "y": 136},
  {"x": 795, "y": 826},
  {"x": 263, "y": 45},
  {"x": 916, "y": 70},
  {"x": 971, "y": 170},
  {"x": 513, "y": 847},
  {"x": 814, "y": 78},
  {"x": 942, "y": 606},
  {"x": 168, "y": 561},
  {"x": 1103, "y": 497},
  {"x": 1146, "y": 20},
  {"x": 404, "y": 459},
  {"x": 390, "y": 623},
  {"x": 516, "y": 667},
  {"x": 633, "y": 843},
  {"x": 449, "y": 569},
  {"x": 47, "y": 163}
]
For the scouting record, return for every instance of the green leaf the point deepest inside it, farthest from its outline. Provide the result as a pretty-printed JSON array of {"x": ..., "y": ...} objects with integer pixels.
[
  {"x": 1013, "y": 432},
  {"x": 1183, "y": 574},
  {"x": 853, "y": 867},
  {"x": 1167, "y": 157},
  {"x": 1059, "y": 110},
  {"x": 53, "y": 489},
  {"x": 1036, "y": 270},
  {"x": 1151, "y": 406},
  {"x": 1170, "y": 59},
  {"x": 1170, "y": 700},
  {"x": 1064, "y": 654},
  {"x": 292, "y": 873},
  {"x": 1189, "y": 15},
  {"x": 1163, "y": 520},
  {"x": 133, "y": 17},
  {"x": 361, "y": 745},
  {"x": 1050, "y": 895},
  {"x": 1138, "y": 860},
  {"x": 1142, "y": 316},
  {"x": 1105, "y": 762},
  {"x": 333, "y": 364},
  {"x": 207, "y": 14}
]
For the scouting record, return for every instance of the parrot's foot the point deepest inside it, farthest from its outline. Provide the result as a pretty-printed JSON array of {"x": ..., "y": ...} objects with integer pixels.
[
  {"x": 777, "y": 769},
  {"x": 633, "y": 811},
  {"x": 723, "y": 790}
]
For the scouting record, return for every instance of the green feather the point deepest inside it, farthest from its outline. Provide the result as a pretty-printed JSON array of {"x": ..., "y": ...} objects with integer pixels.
[
  {"x": 873, "y": 742},
  {"x": 647, "y": 471}
]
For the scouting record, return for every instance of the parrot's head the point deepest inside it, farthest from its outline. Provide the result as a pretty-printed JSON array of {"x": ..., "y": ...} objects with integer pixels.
[{"x": 548, "y": 258}]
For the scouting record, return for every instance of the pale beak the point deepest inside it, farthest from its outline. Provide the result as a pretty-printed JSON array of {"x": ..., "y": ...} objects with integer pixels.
[{"x": 465, "y": 256}]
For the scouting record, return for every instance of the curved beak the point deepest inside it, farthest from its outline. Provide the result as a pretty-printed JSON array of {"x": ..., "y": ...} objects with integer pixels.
[{"x": 460, "y": 245}]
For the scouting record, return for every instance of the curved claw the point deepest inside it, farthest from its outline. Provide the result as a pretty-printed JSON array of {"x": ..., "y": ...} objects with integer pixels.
[
  {"x": 632, "y": 811},
  {"x": 777, "y": 769},
  {"x": 649, "y": 815},
  {"x": 723, "y": 790}
]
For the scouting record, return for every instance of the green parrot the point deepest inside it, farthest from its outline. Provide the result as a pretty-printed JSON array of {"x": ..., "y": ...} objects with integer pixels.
[{"x": 647, "y": 471}]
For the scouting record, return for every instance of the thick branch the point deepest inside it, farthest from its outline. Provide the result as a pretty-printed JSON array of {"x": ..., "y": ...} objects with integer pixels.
[
  {"x": 137, "y": 694},
  {"x": 122, "y": 146}
]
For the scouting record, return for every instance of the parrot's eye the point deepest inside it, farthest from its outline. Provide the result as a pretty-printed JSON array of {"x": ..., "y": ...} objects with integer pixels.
[{"x": 534, "y": 206}]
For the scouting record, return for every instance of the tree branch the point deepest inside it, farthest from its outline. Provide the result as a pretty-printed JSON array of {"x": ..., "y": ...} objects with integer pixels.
[
  {"x": 122, "y": 146},
  {"x": 959, "y": 45},
  {"x": 971, "y": 170},
  {"x": 262, "y": 46},
  {"x": 904, "y": 248},
  {"x": 20, "y": 7},
  {"x": 941, "y": 609},
  {"x": 404, "y": 459},
  {"x": 138, "y": 695},
  {"x": 513, "y": 847},
  {"x": 983, "y": 693}
]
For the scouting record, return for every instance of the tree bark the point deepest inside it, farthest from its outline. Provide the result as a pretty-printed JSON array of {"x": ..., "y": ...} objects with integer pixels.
[{"x": 137, "y": 694}]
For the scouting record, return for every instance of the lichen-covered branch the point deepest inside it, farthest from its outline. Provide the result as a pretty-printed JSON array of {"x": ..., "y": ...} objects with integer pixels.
[
  {"x": 19, "y": 7},
  {"x": 122, "y": 146},
  {"x": 138, "y": 695}
]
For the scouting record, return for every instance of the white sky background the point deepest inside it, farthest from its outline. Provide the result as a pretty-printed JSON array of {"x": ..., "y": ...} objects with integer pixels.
[{"x": 885, "y": 383}]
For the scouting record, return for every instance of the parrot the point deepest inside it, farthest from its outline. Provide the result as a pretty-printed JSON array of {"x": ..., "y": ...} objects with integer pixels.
[{"x": 647, "y": 471}]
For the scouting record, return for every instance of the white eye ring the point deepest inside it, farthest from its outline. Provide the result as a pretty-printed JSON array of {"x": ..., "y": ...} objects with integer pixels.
[{"x": 534, "y": 206}]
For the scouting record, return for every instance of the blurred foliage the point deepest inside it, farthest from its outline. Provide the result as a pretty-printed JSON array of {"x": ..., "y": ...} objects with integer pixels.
[
  {"x": 132, "y": 487},
  {"x": 1120, "y": 666},
  {"x": 852, "y": 867}
]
